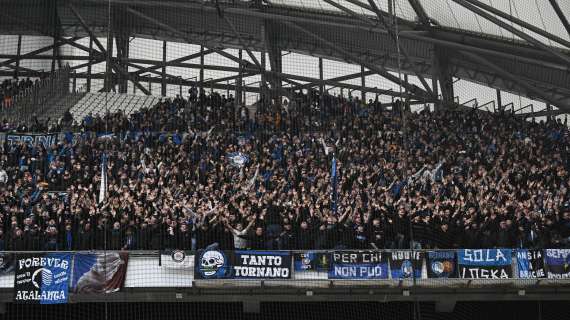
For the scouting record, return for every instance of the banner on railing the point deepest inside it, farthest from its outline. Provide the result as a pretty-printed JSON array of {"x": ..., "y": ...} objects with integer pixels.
[
  {"x": 46, "y": 139},
  {"x": 530, "y": 264},
  {"x": 485, "y": 263},
  {"x": 558, "y": 263},
  {"x": 6, "y": 262},
  {"x": 216, "y": 264},
  {"x": 359, "y": 265},
  {"x": 262, "y": 265},
  {"x": 405, "y": 264},
  {"x": 100, "y": 272},
  {"x": 311, "y": 261},
  {"x": 42, "y": 278},
  {"x": 176, "y": 259},
  {"x": 213, "y": 264},
  {"x": 441, "y": 264}
]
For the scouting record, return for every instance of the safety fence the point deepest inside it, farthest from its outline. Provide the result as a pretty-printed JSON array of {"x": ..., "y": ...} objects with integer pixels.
[{"x": 50, "y": 277}]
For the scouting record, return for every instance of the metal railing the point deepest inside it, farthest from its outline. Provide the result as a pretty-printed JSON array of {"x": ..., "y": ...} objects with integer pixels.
[{"x": 38, "y": 99}]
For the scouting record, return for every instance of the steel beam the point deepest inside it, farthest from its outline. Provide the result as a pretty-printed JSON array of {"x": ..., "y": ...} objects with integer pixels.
[
  {"x": 458, "y": 46},
  {"x": 401, "y": 49},
  {"x": 520, "y": 22},
  {"x": 33, "y": 53},
  {"x": 561, "y": 15},
  {"x": 414, "y": 90},
  {"x": 515, "y": 79},
  {"x": 86, "y": 27},
  {"x": 506, "y": 26},
  {"x": 242, "y": 43},
  {"x": 181, "y": 59},
  {"x": 179, "y": 33},
  {"x": 420, "y": 12}
]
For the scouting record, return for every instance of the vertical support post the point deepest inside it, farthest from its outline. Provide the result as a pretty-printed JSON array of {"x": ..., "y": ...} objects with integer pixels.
[
  {"x": 239, "y": 80},
  {"x": 149, "y": 85},
  {"x": 500, "y": 101},
  {"x": 406, "y": 89},
  {"x": 18, "y": 53},
  {"x": 532, "y": 111},
  {"x": 435, "y": 89},
  {"x": 321, "y": 84},
  {"x": 109, "y": 70},
  {"x": 549, "y": 109},
  {"x": 363, "y": 84},
  {"x": 122, "y": 42},
  {"x": 180, "y": 86},
  {"x": 89, "y": 66},
  {"x": 163, "y": 82},
  {"x": 201, "y": 71},
  {"x": 74, "y": 81},
  {"x": 53, "y": 55},
  {"x": 263, "y": 81}
]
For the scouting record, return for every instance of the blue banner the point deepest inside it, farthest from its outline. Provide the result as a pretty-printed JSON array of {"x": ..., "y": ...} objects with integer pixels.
[
  {"x": 358, "y": 265},
  {"x": 46, "y": 139},
  {"x": 100, "y": 272},
  {"x": 42, "y": 278},
  {"x": 441, "y": 264},
  {"x": 405, "y": 264},
  {"x": 557, "y": 263},
  {"x": 485, "y": 263},
  {"x": 530, "y": 264}
]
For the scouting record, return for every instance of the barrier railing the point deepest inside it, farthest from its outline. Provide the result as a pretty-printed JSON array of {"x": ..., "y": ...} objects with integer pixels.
[{"x": 51, "y": 276}]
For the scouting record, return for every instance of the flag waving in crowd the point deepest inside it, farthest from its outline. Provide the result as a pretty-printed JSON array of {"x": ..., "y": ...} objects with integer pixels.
[{"x": 103, "y": 187}]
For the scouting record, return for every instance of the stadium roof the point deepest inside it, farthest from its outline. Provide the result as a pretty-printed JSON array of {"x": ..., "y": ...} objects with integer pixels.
[{"x": 516, "y": 46}]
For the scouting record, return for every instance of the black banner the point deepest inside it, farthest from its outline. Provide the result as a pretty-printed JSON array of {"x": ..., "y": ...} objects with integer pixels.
[
  {"x": 217, "y": 264},
  {"x": 311, "y": 261},
  {"x": 262, "y": 265},
  {"x": 406, "y": 264},
  {"x": 441, "y": 264}
]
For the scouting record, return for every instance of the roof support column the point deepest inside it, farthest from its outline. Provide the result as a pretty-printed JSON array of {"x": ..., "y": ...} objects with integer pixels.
[
  {"x": 500, "y": 101},
  {"x": 163, "y": 84},
  {"x": 239, "y": 83},
  {"x": 18, "y": 53},
  {"x": 201, "y": 88},
  {"x": 363, "y": 84},
  {"x": 89, "y": 65},
  {"x": 445, "y": 77},
  {"x": 321, "y": 84},
  {"x": 122, "y": 57},
  {"x": 275, "y": 60}
]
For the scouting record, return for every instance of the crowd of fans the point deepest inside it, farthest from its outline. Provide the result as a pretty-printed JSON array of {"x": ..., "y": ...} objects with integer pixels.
[
  {"x": 188, "y": 174},
  {"x": 9, "y": 88}
]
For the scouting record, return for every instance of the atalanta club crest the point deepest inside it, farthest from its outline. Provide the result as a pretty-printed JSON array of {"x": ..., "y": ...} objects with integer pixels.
[
  {"x": 407, "y": 269},
  {"x": 442, "y": 268},
  {"x": 178, "y": 256},
  {"x": 213, "y": 264}
]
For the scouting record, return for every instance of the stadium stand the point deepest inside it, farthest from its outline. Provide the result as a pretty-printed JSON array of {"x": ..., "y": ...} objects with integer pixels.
[
  {"x": 98, "y": 104},
  {"x": 187, "y": 175}
]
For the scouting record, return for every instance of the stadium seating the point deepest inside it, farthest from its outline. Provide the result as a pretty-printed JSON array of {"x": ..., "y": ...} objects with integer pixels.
[{"x": 101, "y": 103}]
